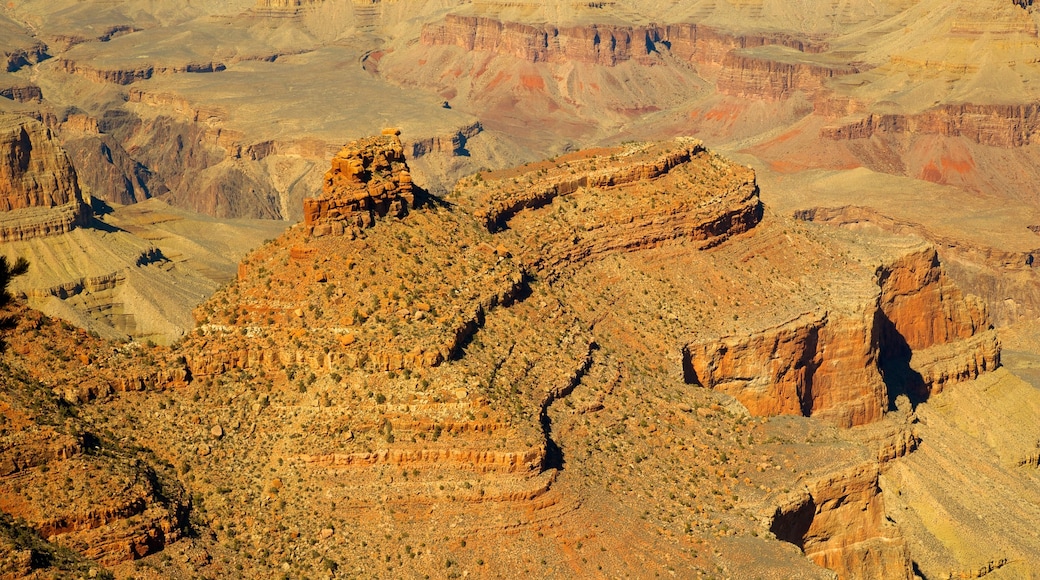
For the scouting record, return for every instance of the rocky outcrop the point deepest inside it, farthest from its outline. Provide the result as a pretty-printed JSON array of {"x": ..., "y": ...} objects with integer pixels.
[
  {"x": 987, "y": 124},
  {"x": 705, "y": 227},
  {"x": 215, "y": 357},
  {"x": 925, "y": 308},
  {"x": 33, "y": 53},
  {"x": 283, "y": 8},
  {"x": 34, "y": 171},
  {"x": 839, "y": 522},
  {"x": 596, "y": 44},
  {"x": 822, "y": 365},
  {"x": 918, "y": 334},
  {"x": 23, "y": 93},
  {"x": 39, "y": 191},
  {"x": 34, "y": 223},
  {"x": 942, "y": 335},
  {"x": 368, "y": 179},
  {"x": 643, "y": 196},
  {"x": 454, "y": 144},
  {"x": 600, "y": 44},
  {"x": 503, "y": 200},
  {"x": 762, "y": 78},
  {"x": 126, "y": 76}
]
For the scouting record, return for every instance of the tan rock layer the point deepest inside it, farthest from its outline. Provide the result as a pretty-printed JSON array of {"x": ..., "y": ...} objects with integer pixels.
[
  {"x": 23, "y": 93},
  {"x": 131, "y": 75},
  {"x": 453, "y": 144},
  {"x": 28, "y": 224},
  {"x": 528, "y": 461},
  {"x": 760, "y": 78},
  {"x": 740, "y": 212},
  {"x": 505, "y": 201}
]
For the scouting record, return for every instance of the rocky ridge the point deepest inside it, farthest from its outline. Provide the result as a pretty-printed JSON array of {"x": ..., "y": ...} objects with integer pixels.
[{"x": 515, "y": 391}]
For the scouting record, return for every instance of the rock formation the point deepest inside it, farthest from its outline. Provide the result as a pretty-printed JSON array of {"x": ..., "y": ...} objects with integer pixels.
[
  {"x": 1004, "y": 126},
  {"x": 817, "y": 365},
  {"x": 817, "y": 520},
  {"x": 847, "y": 367},
  {"x": 601, "y": 44},
  {"x": 368, "y": 179},
  {"x": 39, "y": 193},
  {"x": 503, "y": 358}
]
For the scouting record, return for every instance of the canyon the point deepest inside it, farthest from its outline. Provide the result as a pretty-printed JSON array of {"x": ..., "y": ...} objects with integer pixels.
[{"x": 414, "y": 288}]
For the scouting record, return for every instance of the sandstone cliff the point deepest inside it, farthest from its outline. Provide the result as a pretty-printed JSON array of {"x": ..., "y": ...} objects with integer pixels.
[
  {"x": 602, "y": 44},
  {"x": 817, "y": 520},
  {"x": 39, "y": 191},
  {"x": 987, "y": 124},
  {"x": 822, "y": 365},
  {"x": 34, "y": 171},
  {"x": 915, "y": 335}
]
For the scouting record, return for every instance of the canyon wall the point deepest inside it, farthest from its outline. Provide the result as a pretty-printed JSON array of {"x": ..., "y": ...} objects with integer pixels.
[
  {"x": 39, "y": 191},
  {"x": 839, "y": 522},
  {"x": 995, "y": 125},
  {"x": 34, "y": 170},
  {"x": 763, "y": 78},
  {"x": 916, "y": 335},
  {"x": 821, "y": 364},
  {"x": 601, "y": 44},
  {"x": 715, "y": 51}
]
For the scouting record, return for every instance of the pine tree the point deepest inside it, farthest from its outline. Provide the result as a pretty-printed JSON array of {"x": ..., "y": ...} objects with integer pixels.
[{"x": 8, "y": 272}]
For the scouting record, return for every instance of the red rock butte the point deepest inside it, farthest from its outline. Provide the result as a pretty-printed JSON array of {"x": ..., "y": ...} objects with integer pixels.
[{"x": 368, "y": 179}]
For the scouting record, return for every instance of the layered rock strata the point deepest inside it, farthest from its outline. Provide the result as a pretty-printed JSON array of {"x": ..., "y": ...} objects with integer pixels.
[
  {"x": 821, "y": 364},
  {"x": 917, "y": 334},
  {"x": 126, "y": 76},
  {"x": 630, "y": 205},
  {"x": 368, "y": 179},
  {"x": 996, "y": 125},
  {"x": 39, "y": 192},
  {"x": 601, "y": 44},
  {"x": 817, "y": 520}
]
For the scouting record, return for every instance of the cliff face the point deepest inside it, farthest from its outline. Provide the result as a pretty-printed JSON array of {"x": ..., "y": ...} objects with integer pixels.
[
  {"x": 916, "y": 335},
  {"x": 39, "y": 191},
  {"x": 34, "y": 171},
  {"x": 929, "y": 325},
  {"x": 108, "y": 172},
  {"x": 995, "y": 125},
  {"x": 717, "y": 54},
  {"x": 601, "y": 44},
  {"x": 761, "y": 78},
  {"x": 822, "y": 365},
  {"x": 597, "y": 44},
  {"x": 126, "y": 76},
  {"x": 817, "y": 520}
]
